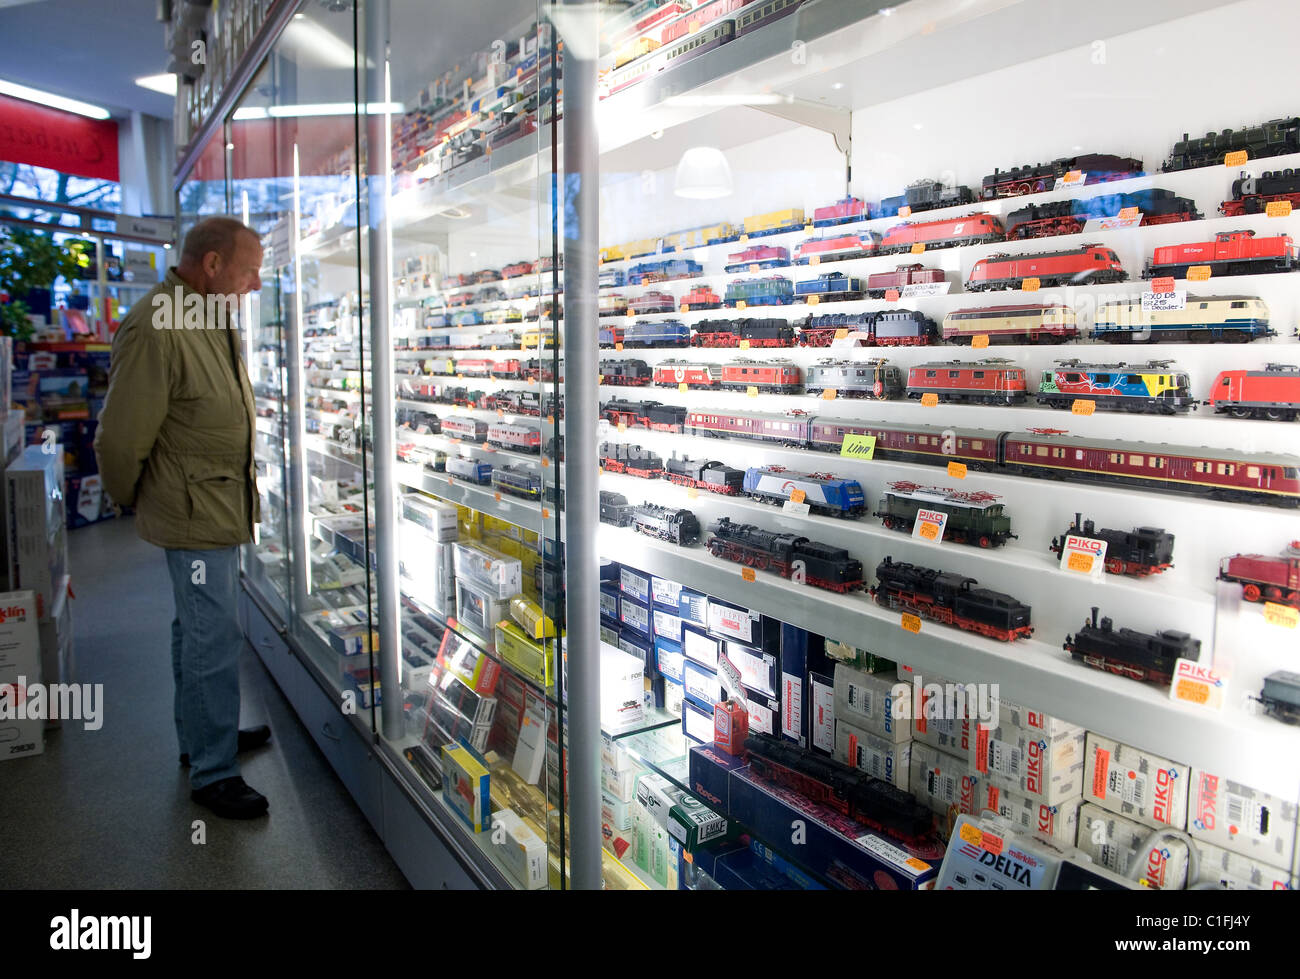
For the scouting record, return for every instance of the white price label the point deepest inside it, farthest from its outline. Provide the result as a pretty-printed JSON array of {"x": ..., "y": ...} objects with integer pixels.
[
  {"x": 929, "y": 525},
  {"x": 1162, "y": 301},
  {"x": 799, "y": 509},
  {"x": 1084, "y": 555},
  {"x": 1197, "y": 684},
  {"x": 922, "y": 289}
]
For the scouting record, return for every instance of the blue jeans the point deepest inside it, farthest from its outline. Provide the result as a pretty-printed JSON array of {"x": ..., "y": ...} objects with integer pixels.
[{"x": 206, "y": 642}]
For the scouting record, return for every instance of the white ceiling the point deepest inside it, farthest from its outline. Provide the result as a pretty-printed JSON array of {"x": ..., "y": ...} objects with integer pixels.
[{"x": 91, "y": 50}]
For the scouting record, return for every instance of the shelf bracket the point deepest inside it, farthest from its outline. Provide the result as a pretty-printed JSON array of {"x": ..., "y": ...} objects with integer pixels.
[{"x": 837, "y": 122}]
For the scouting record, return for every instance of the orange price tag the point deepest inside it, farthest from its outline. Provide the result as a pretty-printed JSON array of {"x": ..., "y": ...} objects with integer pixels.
[
  {"x": 747, "y": 574},
  {"x": 550, "y": 419},
  {"x": 546, "y": 514},
  {"x": 694, "y": 26},
  {"x": 1082, "y": 563},
  {"x": 532, "y": 380},
  {"x": 1193, "y": 691},
  {"x": 929, "y": 530},
  {"x": 618, "y": 347},
  {"x": 957, "y": 470},
  {"x": 497, "y": 497},
  {"x": 622, "y": 426},
  {"x": 842, "y": 333},
  {"x": 979, "y": 340},
  {"x": 751, "y": 391},
  {"x": 1236, "y": 158},
  {"x": 686, "y": 307},
  {"x": 918, "y": 247},
  {"x": 460, "y": 377},
  {"x": 798, "y": 496},
  {"x": 1083, "y": 406},
  {"x": 1072, "y": 177},
  {"x": 683, "y": 387},
  {"x": 929, "y": 399},
  {"x": 1162, "y": 283},
  {"x": 814, "y": 300},
  {"x": 910, "y": 622},
  {"x": 740, "y": 304},
  {"x": 1030, "y": 284},
  {"x": 1198, "y": 273},
  {"x": 546, "y": 463},
  {"x": 743, "y": 345},
  {"x": 501, "y": 413},
  {"x": 678, "y": 248},
  {"x": 494, "y": 346},
  {"x": 991, "y": 843},
  {"x": 891, "y": 295},
  {"x": 1127, "y": 212},
  {"x": 743, "y": 239},
  {"x": 753, "y": 267},
  {"x": 905, "y": 211},
  {"x": 970, "y": 833},
  {"x": 830, "y": 394},
  {"x": 1281, "y": 615},
  {"x": 814, "y": 260},
  {"x": 692, "y": 492},
  {"x": 1278, "y": 209}
]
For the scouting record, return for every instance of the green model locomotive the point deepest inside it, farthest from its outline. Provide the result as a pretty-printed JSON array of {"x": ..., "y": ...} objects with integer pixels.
[{"x": 973, "y": 517}]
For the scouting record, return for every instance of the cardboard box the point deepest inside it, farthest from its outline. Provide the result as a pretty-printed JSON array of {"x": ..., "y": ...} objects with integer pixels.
[
  {"x": 690, "y": 822},
  {"x": 693, "y": 607},
  {"x": 609, "y": 603},
  {"x": 757, "y": 668},
  {"x": 56, "y": 637},
  {"x": 1059, "y": 823},
  {"x": 1116, "y": 843},
  {"x": 1241, "y": 820},
  {"x": 866, "y": 700},
  {"x": 665, "y": 594},
  {"x": 496, "y": 574},
  {"x": 764, "y": 712},
  {"x": 743, "y": 625},
  {"x": 821, "y": 719},
  {"x": 941, "y": 780},
  {"x": 702, "y": 686},
  {"x": 670, "y": 661},
  {"x": 1238, "y": 873},
  {"x": 1135, "y": 783},
  {"x": 634, "y": 614},
  {"x": 697, "y": 722},
  {"x": 879, "y": 757},
  {"x": 466, "y": 785},
  {"x": 622, "y": 679},
  {"x": 665, "y": 624},
  {"x": 1048, "y": 769},
  {"x": 634, "y": 583},
  {"x": 523, "y": 852},
  {"x": 36, "y": 524},
  {"x": 20, "y": 667},
  {"x": 479, "y": 612},
  {"x": 437, "y": 519},
  {"x": 701, "y": 647}
]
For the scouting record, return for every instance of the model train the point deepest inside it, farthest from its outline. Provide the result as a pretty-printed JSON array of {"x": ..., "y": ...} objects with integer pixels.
[
  {"x": 988, "y": 381},
  {"x": 822, "y": 492},
  {"x": 1028, "y": 323},
  {"x": 757, "y": 257},
  {"x": 844, "y": 211},
  {"x": 1136, "y": 553},
  {"x": 1083, "y": 265},
  {"x": 970, "y": 229},
  {"x": 1153, "y": 206},
  {"x": 613, "y": 508},
  {"x": 974, "y": 517},
  {"x": 1276, "y": 137},
  {"x": 1130, "y": 653},
  {"x": 676, "y": 526},
  {"x": 700, "y": 297},
  {"x": 1093, "y": 168},
  {"x": 1150, "y": 387},
  {"x": 1203, "y": 319},
  {"x": 775, "y": 290},
  {"x": 876, "y": 379},
  {"x": 829, "y": 287},
  {"x": 950, "y": 599},
  {"x": 1264, "y": 578},
  {"x": 879, "y": 283},
  {"x": 1252, "y": 195},
  {"x": 871, "y": 801},
  {"x": 1281, "y": 696},
  {"x": 661, "y": 333},
  {"x": 789, "y": 555},
  {"x": 654, "y": 415},
  {"x": 756, "y": 332},
  {"x": 1230, "y": 253},
  {"x": 616, "y": 457},
  {"x": 705, "y": 474},
  {"x": 1272, "y": 393},
  {"x": 836, "y": 247},
  {"x": 517, "y": 481},
  {"x": 627, "y": 373},
  {"x": 887, "y": 328}
]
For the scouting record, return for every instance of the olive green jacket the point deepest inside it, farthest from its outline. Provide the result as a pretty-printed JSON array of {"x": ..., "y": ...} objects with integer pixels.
[{"x": 175, "y": 438}]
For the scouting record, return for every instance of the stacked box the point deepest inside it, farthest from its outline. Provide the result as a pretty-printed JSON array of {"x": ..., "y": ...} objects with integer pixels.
[
  {"x": 866, "y": 700},
  {"x": 703, "y": 687},
  {"x": 1116, "y": 844},
  {"x": 523, "y": 852},
  {"x": 757, "y": 669},
  {"x": 493, "y": 573},
  {"x": 701, "y": 647},
  {"x": 941, "y": 780},
  {"x": 634, "y": 614},
  {"x": 693, "y": 608},
  {"x": 821, "y": 704},
  {"x": 665, "y": 624},
  {"x": 1241, "y": 820},
  {"x": 478, "y": 611},
  {"x": 621, "y": 689},
  {"x": 879, "y": 757},
  {"x": 1044, "y": 762},
  {"x": 1238, "y": 873},
  {"x": 1135, "y": 783},
  {"x": 665, "y": 594},
  {"x": 20, "y": 667},
  {"x": 1059, "y": 823},
  {"x": 609, "y": 604},
  {"x": 634, "y": 583},
  {"x": 530, "y": 744},
  {"x": 467, "y": 786},
  {"x": 36, "y": 524}
]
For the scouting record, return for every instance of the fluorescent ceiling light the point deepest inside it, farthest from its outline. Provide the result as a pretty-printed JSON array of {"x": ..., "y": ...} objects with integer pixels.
[
  {"x": 315, "y": 109},
  {"x": 757, "y": 98},
  {"x": 165, "y": 83},
  {"x": 53, "y": 101},
  {"x": 703, "y": 174},
  {"x": 312, "y": 43}
]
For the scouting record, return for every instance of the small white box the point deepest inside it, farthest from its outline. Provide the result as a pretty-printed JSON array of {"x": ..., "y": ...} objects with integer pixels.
[
  {"x": 437, "y": 519},
  {"x": 1241, "y": 820},
  {"x": 622, "y": 685},
  {"x": 20, "y": 667},
  {"x": 941, "y": 780},
  {"x": 866, "y": 700},
  {"x": 496, "y": 573},
  {"x": 1047, "y": 769},
  {"x": 1238, "y": 873},
  {"x": 615, "y": 812},
  {"x": 877, "y": 756},
  {"x": 523, "y": 852},
  {"x": 1136, "y": 783},
  {"x": 1116, "y": 843},
  {"x": 1059, "y": 822}
]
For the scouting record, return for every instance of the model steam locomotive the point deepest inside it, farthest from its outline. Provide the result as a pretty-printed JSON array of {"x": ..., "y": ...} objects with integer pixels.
[
  {"x": 789, "y": 555},
  {"x": 1276, "y": 137},
  {"x": 1094, "y": 168},
  {"x": 1130, "y": 653},
  {"x": 676, "y": 526},
  {"x": 950, "y": 599},
  {"x": 705, "y": 474},
  {"x": 1136, "y": 553}
]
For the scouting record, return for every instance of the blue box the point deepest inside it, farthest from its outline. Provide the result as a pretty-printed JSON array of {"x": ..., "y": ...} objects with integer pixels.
[
  {"x": 635, "y": 615},
  {"x": 703, "y": 688},
  {"x": 701, "y": 647},
  {"x": 608, "y": 633},
  {"x": 765, "y": 854},
  {"x": 665, "y": 593},
  {"x": 634, "y": 583},
  {"x": 693, "y": 608},
  {"x": 609, "y": 571},
  {"x": 709, "y": 770},
  {"x": 609, "y": 603},
  {"x": 666, "y": 624},
  {"x": 669, "y": 660},
  {"x": 743, "y": 870},
  {"x": 635, "y": 644}
]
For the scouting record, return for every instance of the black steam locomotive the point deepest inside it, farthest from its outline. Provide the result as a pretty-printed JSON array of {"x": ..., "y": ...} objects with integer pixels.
[
  {"x": 1131, "y": 653},
  {"x": 790, "y": 556},
  {"x": 925, "y": 195},
  {"x": 1035, "y": 178},
  {"x": 1273, "y": 138},
  {"x": 760, "y": 332},
  {"x": 633, "y": 460},
  {"x": 653, "y": 415},
  {"x": 1136, "y": 553},
  {"x": 630, "y": 373},
  {"x": 711, "y": 475},
  {"x": 855, "y": 794},
  {"x": 614, "y": 508},
  {"x": 1252, "y": 195},
  {"x": 680, "y": 527},
  {"x": 1281, "y": 696},
  {"x": 1156, "y": 206},
  {"x": 951, "y": 599}
]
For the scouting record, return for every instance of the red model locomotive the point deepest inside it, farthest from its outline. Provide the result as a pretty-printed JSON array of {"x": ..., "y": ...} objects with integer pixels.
[
  {"x": 1230, "y": 253},
  {"x": 841, "y": 212},
  {"x": 905, "y": 275},
  {"x": 773, "y": 376},
  {"x": 833, "y": 247},
  {"x": 1272, "y": 393},
  {"x": 989, "y": 381},
  {"x": 1264, "y": 578},
  {"x": 968, "y": 230},
  {"x": 701, "y": 297},
  {"x": 1085, "y": 265},
  {"x": 670, "y": 373},
  {"x": 757, "y": 257}
]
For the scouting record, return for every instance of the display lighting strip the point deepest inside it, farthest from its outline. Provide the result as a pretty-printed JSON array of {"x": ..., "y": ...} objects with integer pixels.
[
  {"x": 300, "y": 424},
  {"x": 246, "y": 319},
  {"x": 315, "y": 109},
  {"x": 384, "y": 355}
]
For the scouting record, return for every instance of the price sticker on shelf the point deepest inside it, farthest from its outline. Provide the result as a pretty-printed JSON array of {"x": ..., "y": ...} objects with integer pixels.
[
  {"x": 683, "y": 387},
  {"x": 814, "y": 260},
  {"x": 532, "y": 380},
  {"x": 1072, "y": 178},
  {"x": 979, "y": 340},
  {"x": 1198, "y": 273},
  {"x": 497, "y": 497},
  {"x": 798, "y": 495},
  {"x": 1084, "y": 555},
  {"x": 814, "y": 300},
  {"x": 1197, "y": 684},
  {"x": 747, "y": 574},
  {"x": 1127, "y": 213},
  {"x": 842, "y": 333},
  {"x": 809, "y": 228},
  {"x": 546, "y": 463},
  {"x": 1236, "y": 158},
  {"x": 677, "y": 248},
  {"x": 743, "y": 345},
  {"x": 686, "y": 307},
  {"x": 618, "y": 347},
  {"x": 1030, "y": 284},
  {"x": 1278, "y": 209},
  {"x": 740, "y": 304},
  {"x": 891, "y": 295},
  {"x": 1281, "y": 615},
  {"x": 753, "y": 267},
  {"x": 550, "y": 419},
  {"x": 692, "y": 493},
  {"x": 929, "y": 399},
  {"x": 501, "y": 413},
  {"x": 693, "y": 26},
  {"x": 858, "y": 446},
  {"x": 622, "y": 426},
  {"x": 1162, "y": 284},
  {"x": 743, "y": 239},
  {"x": 910, "y": 622},
  {"x": 957, "y": 470},
  {"x": 830, "y": 394},
  {"x": 905, "y": 211},
  {"x": 751, "y": 391},
  {"x": 930, "y": 525},
  {"x": 918, "y": 247},
  {"x": 1083, "y": 406}
]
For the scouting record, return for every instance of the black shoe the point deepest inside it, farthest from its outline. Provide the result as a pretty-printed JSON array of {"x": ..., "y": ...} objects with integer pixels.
[
  {"x": 231, "y": 798},
  {"x": 249, "y": 738}
]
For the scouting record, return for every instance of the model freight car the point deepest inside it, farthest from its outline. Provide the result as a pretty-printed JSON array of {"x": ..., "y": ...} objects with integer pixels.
[
  {"x": 1281, "y": 696},
  {"x": 705, "y": 474},
  {"x": 1130, "y": 653},
  {"x": 1153, "y": 387},
  {"x": 1276, "y": 137},
  {"x": 1136, "y": 553},
  {"x": 876, "y": 379},
  {"x": 676, "y": 526},
  {"x": 1232, "y": 319},
  {"x": 1083, "y": 265},
  {"x": 774, "y": 222},
  {"x": 916, "y": 236},
  {"x": 1028, "y": 323},
  {"x": 974, "y": 517},
  {"x": 951, "y": 599},
  {"x": 822, "y": 492},
  {"x": 1264, "y": 578},
  {"x": 789, "y": 555},
  {"x": 1094, "y": 168},
  {"x": 1230, "y": 253},
  {"x": 1272, "y": 393},
  {"x": 989, "y": 381}
]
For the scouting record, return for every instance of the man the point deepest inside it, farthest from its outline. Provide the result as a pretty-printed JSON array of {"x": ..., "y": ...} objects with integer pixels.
[{"x": 175, "y": 440}]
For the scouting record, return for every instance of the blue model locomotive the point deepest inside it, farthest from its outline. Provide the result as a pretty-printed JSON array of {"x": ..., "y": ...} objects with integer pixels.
[
  {"x": 479, "y": 473},
  {"x": 830, "y": 286},
  {"x": 822, "y": 492},
  {"x": 664, "y": 333}
]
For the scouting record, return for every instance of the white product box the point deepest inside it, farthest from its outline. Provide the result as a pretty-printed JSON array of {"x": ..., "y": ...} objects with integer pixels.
[
  {"x": 36, "y": 524},
  {"x": 1116, "y": 843},
  {"x": 498, "y": 574},
  {"x": 941, "y": 780},
  {"x": 700, "y": 647},
  {"x": 877, "y": 756},
  {"x": 427, "y": 569},
  {"x": 20, "y": 667},
  {"x": 866, "y": 701},
  {"x": 674, "y": 694},
  {"x": 634, "y": 583},
  {"x": 729, "y": 622},
  {"x": 1241, "y": 820},
  {"x": 665, "y": 592},
  {"x": 530, "y": 745},
  {"x": 1059, "y": 822},
  {"x": 621, "y": 688},
  {"x": 757, "y": 668},
  {"x": 523, "y": 852},
  {"x": 667, "y": 625},
  {"x": 821, "y": 725},
  {"x": 619, "y": 782},
  {"x": 1047, "y": 769},
  {"x": 437, "y": 519},
  {"x": 478, "y": 611},
  {"x": 702, "y": 684},
  {"x": 1035, "y": 721},
  {"x": 1136, "y": 783},
  {"x": 615, "y": 812},
  {"x": 1238, "y": 873}
]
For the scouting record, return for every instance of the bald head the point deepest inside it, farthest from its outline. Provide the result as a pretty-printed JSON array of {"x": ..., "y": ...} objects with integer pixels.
[{"x": 221, "y": 256}]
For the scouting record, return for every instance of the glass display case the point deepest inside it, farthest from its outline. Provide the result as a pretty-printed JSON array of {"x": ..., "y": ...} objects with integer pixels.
[{"x": 1054, "y": 579}]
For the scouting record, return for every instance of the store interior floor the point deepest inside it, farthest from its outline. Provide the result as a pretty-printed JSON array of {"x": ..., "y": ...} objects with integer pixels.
[{"x": 111, "y": 808}]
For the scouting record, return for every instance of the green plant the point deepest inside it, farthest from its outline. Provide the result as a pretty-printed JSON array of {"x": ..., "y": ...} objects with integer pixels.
[{"x": 31, "y": 259}]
